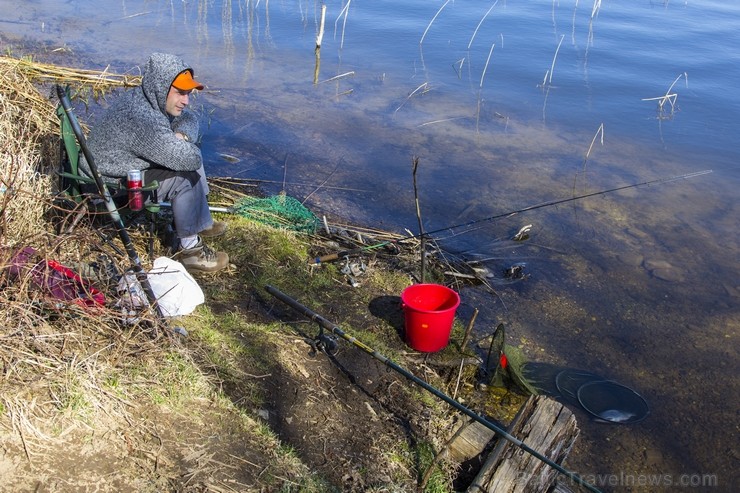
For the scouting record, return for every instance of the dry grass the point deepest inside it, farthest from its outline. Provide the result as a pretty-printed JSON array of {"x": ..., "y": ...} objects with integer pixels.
[
  {"x": 99, "y": 82},
  {"x": 58, "y": 359},
  {"x": 24, "y": 118}
]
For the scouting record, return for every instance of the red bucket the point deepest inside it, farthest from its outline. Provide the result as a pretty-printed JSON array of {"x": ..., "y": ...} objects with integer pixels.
[{"x": 429, "y": 311}]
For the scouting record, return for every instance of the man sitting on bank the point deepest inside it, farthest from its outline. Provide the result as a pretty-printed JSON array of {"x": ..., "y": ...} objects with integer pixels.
[{"x": 151, "y": 129}]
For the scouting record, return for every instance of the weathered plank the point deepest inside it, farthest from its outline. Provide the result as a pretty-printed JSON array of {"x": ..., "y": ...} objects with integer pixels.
[
  {"x": 470, "y": 440},
  {"x": 544, "y": 425},
  {"x": 559, "y": 487}
]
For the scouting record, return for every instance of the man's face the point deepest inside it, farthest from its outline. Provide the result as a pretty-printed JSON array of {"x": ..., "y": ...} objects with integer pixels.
[{"x": 177, "y": 100}]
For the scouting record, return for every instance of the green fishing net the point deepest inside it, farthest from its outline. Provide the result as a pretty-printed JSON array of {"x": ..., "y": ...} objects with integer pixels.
[
  {"x": 505, "y": 364},
  {"x": 279, "y": 211}
]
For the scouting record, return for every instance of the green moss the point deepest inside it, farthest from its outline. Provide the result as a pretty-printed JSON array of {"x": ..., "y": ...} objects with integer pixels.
[{"x": 436, "y": 480}]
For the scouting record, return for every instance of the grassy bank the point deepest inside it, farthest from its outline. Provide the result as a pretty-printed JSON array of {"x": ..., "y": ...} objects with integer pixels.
[{"x": 93, "y": 400}]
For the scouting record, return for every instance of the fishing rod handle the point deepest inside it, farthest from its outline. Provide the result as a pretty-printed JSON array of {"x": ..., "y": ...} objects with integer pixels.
[
  {"x": 354, "y": 251},
  {"x": 327, "y": 258}
]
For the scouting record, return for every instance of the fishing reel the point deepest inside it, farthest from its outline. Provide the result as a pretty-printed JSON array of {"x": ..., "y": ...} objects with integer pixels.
[{"x": 326, "y": 343}]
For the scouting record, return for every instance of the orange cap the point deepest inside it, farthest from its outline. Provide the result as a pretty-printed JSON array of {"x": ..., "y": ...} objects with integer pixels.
[{"x": 185, "y": 82}]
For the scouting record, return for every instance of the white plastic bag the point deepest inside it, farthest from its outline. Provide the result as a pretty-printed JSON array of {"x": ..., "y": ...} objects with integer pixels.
[
  {"x": 176, "y": 291},
  {"x": 131, "y": 295}
]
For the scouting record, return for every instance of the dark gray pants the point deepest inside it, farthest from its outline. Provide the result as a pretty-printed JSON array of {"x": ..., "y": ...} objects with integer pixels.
[{"x": 187, "y": 192}]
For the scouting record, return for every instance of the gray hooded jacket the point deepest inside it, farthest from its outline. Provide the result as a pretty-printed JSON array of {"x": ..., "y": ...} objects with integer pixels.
[{"x": 137, "y": 133}]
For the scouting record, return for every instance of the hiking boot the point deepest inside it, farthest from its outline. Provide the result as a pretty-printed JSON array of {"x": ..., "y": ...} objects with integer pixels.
[
  {"x": 202, "y": 258},
  {"x": 217, "y": 229}
]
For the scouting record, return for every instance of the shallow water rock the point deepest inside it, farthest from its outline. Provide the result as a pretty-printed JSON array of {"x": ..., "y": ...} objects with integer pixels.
[
  {"x": 652, "y": 264},
  {"x": 664, "y": 270},
  {"x": 732, "y": 290},
  {"x": 671, "y": 274},
  {"x": 636, "y": 233},
  {"x": 633, "y": 259}
]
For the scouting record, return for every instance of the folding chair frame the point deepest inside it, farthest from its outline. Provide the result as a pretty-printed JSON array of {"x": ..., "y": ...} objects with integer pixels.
[{"x": 69, "y": 117}]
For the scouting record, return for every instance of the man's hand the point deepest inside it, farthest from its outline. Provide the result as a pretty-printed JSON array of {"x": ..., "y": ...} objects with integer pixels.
[{"x": 182, "y": 136}]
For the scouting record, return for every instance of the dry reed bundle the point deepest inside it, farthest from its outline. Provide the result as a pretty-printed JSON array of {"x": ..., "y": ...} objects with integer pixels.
[
  {"x": 98, "y": 81},
  {"x": 27, "y": 121},
  {"x": 25, "y": 117},
  {"x": 22, "y": 206}
]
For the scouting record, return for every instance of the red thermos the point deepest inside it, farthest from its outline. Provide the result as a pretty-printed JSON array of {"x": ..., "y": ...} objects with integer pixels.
[{"x": 135, "y": 195}]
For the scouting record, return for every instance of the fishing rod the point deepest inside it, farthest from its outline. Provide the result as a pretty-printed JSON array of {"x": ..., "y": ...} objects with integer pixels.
[
  {"x": 109, "y": 203},
  {"x": 355, "y": 251},
  {"x": 324, "y": 323},
  {"x": 212, "y": 208}
]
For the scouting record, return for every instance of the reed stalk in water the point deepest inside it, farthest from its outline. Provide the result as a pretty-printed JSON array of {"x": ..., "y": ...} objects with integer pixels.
[
  {"x": 344, "y": 12},
  {"x": 668, "y": 97},
  {"x": 432, "y": 21},
  {"x": 415, "y": 165},
  {"x": 599, "y": 132},
  {"x": 485, "y": 68},
  {"x": 547, "y": 80},
  {"x": 443, "y": 120},
  {"x": 480, "y": 23},
  {"x": 424, "y": 87},
  {"x": 554, "y": 58},
  {"x": 340, "y": 76},
  {"x": 595, "y": 8},
  {"x": 480, "y": 87},
  {"x": 458, "y": 65},
  {"x": 317, "y": 50},
  {"x": 320, "y": 35}
]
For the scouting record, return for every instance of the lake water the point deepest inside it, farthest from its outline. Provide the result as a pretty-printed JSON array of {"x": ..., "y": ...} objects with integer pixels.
[{"x": 506, "y": 104}]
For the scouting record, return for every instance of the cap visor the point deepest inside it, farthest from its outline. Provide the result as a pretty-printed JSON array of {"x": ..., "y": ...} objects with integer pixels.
[{"x": 185, "y": 82}]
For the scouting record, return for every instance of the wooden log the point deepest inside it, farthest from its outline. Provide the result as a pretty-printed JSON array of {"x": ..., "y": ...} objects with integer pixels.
[
  {"x": 544, "y": 425},
  {"x": 559, "y": 487},
  {"x": 470, "y": 440}
]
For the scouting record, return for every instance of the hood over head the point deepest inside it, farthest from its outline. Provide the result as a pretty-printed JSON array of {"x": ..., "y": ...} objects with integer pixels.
[{"x": 160, "y": 71}]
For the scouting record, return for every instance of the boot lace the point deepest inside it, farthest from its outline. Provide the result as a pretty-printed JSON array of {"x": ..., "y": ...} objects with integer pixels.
[{"x": 208, "y": 253}]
